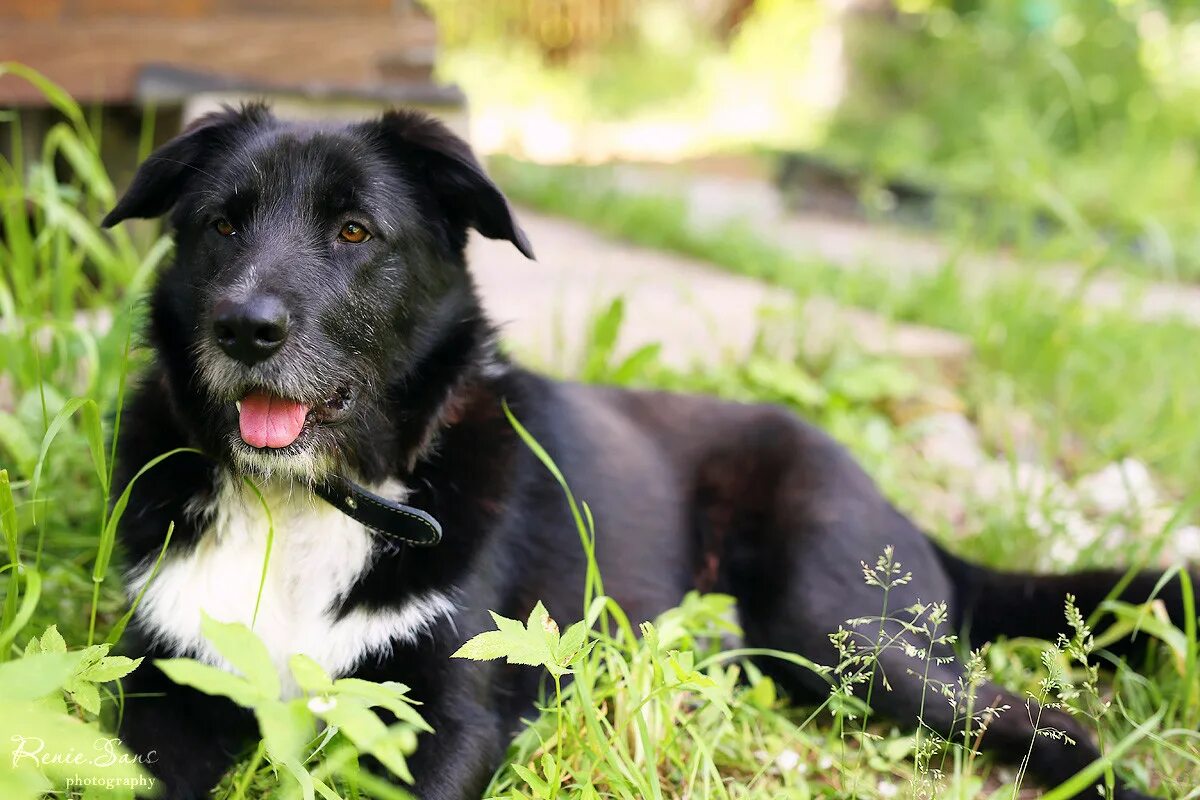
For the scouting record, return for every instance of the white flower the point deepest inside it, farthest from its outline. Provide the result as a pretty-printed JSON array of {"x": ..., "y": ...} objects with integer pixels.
[
  {"x": 887, "y": 789},
  {"x": 787, "y": 760},
  {"x": 322, "y": 704},
  {"x": 1187, "y": 542},
  {"x": 1125, "y": 486},
  {"x": 1063, "y": 553}
]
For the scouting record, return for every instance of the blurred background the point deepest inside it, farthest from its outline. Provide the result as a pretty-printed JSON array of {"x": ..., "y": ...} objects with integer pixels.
[
  {"x": 1030, "y": 117},
  {"x": 960, "y": 235}
]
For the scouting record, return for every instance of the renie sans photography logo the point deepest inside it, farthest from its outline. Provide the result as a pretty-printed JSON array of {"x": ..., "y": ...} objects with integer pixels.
[{"x": 32, "y": 751}]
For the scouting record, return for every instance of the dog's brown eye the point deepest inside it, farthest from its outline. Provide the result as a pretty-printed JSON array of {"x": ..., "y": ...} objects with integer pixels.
[
  {"x": 353, "y": 233},
  {"x": 224, "y": 227}
]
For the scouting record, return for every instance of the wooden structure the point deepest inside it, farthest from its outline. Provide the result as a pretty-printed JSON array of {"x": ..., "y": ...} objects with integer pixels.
[
  {"x": 99, "y": 50},
  {"x": 343, "y": 58}
]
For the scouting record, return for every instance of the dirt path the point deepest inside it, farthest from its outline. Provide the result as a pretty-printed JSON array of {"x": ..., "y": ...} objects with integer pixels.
[
  {"x": 699, "y": 314},
  {"x": 854, "y": 244}
]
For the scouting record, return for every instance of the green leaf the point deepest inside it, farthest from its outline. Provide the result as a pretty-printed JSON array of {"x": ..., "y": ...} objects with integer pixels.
[
  {"x": 93, "y": 655},
  {"x": 511, "y": 627},
  {"x": 212, "y": 680},
  {"x": 52, "y": 641},
  {"x": 593, "y": 612},
  {"x": 23, "y": 784},
  {"x": 286, "y": 729},
  {"x": 539, "y": 619},
  {"x": 517, "y": 643},
  {"x": 309, "y": 675},
  {"x": 1133, "y": 619},
  {"x": 1087, "y": 776},
  {"x": 31, "y": 728},
  {"x": 487, "y": 646},
  {"x": 245, "y": 651},
  {"x": 35, "y": 676},
  {"x": 870, "y": 381},
  {"x": 388, "y": 695},
  {"x": 118, "y": 629},
  {"x": 262, "y": 578},
  {"x": 303, "y": 777},
  {"x": 324, "y": 790},
  {"x": 56, "y": 95},
  {"x": 635, "y": 364},
  {"x": 8, "y": 520},
  {"x": 110, "y": 668},
  {"x": 17, "y": 442},
  {"x": 93, "y": 430},
  {"x": 787, "y": 381},
  {"x": 28, "y": 603},
  {"x": 368, "y": 733},
  {"x": 56, "y": 426},
  {"x": 549, "y": 768},
  {"x": 539, "y": 786},
  {"x": 109, "y": 535},
  {"x": 602, "y": 342},
  {"x": 571, "y": 643},
  {"x": 87, "y": 696}
]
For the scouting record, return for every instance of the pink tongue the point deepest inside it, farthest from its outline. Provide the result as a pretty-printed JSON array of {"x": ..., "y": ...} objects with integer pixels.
[{"x": 268, "y": 421}]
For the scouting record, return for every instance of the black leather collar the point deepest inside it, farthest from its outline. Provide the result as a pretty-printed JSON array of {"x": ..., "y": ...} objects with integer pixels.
[{"x": 386, "y": 517}]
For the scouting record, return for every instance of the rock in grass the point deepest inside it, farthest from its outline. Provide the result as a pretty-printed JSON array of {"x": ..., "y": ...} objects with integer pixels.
[
  {"x": 950, "y": 440},
  {"x": 1123, "y": 487}
]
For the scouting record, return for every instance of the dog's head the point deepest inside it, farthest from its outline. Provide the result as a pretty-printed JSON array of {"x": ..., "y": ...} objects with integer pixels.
[{"x": 315, "y": 267}]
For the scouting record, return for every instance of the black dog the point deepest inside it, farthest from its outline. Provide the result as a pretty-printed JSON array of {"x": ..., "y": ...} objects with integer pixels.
[{"x": 319, "y": 328}]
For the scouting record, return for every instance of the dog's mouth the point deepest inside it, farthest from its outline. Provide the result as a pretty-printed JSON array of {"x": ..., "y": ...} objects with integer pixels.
[{"x": 269, "y": 422}]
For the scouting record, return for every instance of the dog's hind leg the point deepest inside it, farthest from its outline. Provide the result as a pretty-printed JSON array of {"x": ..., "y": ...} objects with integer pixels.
[
  {"x": 794, "y": 525},
  {"x": 911, "y": 679},
  {"x": 1049, "y": 743}
]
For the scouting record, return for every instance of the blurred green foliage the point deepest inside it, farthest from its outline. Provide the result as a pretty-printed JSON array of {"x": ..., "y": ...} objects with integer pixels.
[
  {"x": 1046, "y": 116},
  {"x": 1067, "y": 127}
]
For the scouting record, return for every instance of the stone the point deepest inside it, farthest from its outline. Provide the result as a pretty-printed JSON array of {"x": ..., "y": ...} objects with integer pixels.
[
  {"x": 1124, "y": 486},
  {"x": 1186, "y": 543},
  {"x": 949, "y": 439}
]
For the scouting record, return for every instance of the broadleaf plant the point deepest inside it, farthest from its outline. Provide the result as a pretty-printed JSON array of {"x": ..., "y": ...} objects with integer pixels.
[
  {"x": 298, "y": 721},
  {"x": 94, "y": 668}
]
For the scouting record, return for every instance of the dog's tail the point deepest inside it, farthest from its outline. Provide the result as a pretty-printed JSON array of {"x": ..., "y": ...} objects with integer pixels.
[{"x": 990, "y": 603}]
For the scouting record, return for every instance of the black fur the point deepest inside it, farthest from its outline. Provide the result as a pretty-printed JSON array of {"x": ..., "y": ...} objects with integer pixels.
[{"x": 687, "y": 491}]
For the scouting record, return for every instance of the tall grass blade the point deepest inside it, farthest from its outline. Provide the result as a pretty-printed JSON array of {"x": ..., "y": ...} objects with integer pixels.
[
  {"x": 33, "y": 593},
  {"x": 1090, "y": 774}
]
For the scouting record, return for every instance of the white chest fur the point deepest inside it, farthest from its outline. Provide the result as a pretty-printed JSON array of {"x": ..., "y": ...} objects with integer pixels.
[{"x": 316, "y": 556}]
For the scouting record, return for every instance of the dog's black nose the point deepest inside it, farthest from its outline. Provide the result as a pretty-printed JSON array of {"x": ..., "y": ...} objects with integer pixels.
[{"x": 251, "y": 331}]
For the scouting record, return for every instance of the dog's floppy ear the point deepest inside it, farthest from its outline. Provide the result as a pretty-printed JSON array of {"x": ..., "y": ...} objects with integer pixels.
[
  {"x": 453, "y": 174},
  {"x": 163, "y": 176}
]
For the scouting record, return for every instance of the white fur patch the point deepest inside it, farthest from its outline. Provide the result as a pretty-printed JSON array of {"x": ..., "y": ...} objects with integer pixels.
[{"x": 317, "y": 555}]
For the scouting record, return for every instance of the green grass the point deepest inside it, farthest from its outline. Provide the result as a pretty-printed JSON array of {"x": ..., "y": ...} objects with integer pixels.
[
  {"x": 653, "y": 711},
  {"x": 768, "y": 749},
  {"x": 1062, "y": 126}
]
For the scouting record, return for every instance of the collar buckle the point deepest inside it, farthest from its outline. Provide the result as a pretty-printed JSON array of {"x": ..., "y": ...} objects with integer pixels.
[{"x": 386, "y": 517}]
